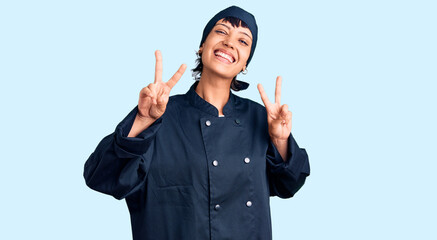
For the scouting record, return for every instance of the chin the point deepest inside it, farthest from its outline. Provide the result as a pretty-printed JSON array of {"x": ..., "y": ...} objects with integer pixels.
[{"x": 221, "y": 71}]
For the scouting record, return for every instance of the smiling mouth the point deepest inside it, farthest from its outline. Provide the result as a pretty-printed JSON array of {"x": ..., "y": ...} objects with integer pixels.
[{"x": 224, "y": 56}]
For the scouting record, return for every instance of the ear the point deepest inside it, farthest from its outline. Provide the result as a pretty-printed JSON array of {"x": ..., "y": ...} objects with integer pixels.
[{"x": 200, "y": 49}]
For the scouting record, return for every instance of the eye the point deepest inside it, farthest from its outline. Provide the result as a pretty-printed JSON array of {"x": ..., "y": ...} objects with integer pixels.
[
  {"x": 220, "y": 32},
  {"x": 244, "y": 42}
]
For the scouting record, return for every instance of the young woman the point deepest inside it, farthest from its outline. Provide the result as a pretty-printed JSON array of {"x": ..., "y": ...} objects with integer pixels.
[{"x": 202, "y": 165}]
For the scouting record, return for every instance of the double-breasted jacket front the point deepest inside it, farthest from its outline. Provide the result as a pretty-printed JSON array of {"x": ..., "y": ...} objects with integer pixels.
[{"x": 196, "y": 175}]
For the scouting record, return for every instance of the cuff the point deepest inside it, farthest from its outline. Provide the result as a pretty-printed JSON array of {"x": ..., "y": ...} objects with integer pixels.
[
  {"x": 135, "y": 145},
  {"x": 296, "y": 163}
]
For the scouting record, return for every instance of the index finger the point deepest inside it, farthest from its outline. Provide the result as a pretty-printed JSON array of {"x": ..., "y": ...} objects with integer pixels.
[
  {"x": 158, "y": 66},
  {"x": 278, "y": 90},
  {"x": 263, "y": 94}
]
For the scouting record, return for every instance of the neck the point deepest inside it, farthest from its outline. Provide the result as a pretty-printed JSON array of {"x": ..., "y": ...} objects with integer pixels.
[{"x": 214, "y": 90}]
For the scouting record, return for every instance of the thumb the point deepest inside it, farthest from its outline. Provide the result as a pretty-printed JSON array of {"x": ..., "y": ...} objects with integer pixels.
[{"x": 284, "y": 111}]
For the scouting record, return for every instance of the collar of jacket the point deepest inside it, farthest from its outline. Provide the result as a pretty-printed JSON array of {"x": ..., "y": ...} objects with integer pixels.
[{"x": 200, "y": 103}]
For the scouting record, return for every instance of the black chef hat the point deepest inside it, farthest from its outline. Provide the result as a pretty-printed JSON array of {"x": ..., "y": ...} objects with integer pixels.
[{"x": 239, "y": 13}]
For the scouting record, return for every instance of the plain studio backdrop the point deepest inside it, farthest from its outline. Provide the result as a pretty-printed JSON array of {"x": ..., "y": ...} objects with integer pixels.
[{"x": 359, "y": 77}]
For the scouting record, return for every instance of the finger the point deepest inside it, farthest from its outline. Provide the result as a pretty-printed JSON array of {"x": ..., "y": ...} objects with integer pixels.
[
  {"x": 175, "y": 78},
  {"x": 263, "y": 94},
  {"x": 162, "y": 100},
  {"x": 158, "y": 66},
  {"x": 288, "y": 119},
  {"x": 153, "y": 91},
  {"x": 145, "y": 92},
  {"x": 289, "y": 115},
  {"x": 278, "y": 90}
]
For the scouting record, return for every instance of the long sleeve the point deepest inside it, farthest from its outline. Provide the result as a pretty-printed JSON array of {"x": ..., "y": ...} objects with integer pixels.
[
  {"x": 119, "y": 164},
  {"x": 287, "y": 177}
]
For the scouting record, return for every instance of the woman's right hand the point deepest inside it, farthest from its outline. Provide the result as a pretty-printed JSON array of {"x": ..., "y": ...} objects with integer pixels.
[{"x": 154, "y": 98}]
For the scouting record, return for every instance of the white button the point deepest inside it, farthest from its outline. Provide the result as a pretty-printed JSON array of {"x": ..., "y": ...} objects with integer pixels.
[
  {"x": 215, "y": 163},
  {"x": 249, "y": 203},
  {"x": 247, "y": 160},
  {"x": 208, "y": 123},
  {"x": 217, "y": 207}
]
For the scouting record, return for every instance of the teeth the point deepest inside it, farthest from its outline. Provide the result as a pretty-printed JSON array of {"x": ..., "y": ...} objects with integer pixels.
[{"x": 224, "y": 55}]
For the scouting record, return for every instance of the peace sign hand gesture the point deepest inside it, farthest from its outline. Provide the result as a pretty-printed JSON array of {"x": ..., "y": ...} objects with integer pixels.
[
  {"x": 278, "y": 117},
  {"x": 154, "y": 98}
]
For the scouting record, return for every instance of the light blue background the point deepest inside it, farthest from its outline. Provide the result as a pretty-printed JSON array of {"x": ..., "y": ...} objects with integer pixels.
[{"x": 359, "y": 77}]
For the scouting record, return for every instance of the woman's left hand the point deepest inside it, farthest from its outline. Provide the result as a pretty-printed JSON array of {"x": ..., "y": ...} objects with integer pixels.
[{"x": 278, "y": 116}]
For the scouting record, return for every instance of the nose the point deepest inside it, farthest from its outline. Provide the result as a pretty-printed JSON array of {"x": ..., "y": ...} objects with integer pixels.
[{"x": 228, "y": 43}]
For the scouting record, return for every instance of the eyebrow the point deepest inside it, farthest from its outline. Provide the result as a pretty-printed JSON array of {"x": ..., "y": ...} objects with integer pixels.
[{"x": 230, "y": 29}]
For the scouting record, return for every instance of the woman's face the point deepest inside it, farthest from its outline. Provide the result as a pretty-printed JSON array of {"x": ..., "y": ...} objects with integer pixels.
[{"x": 226, "y": 49}]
